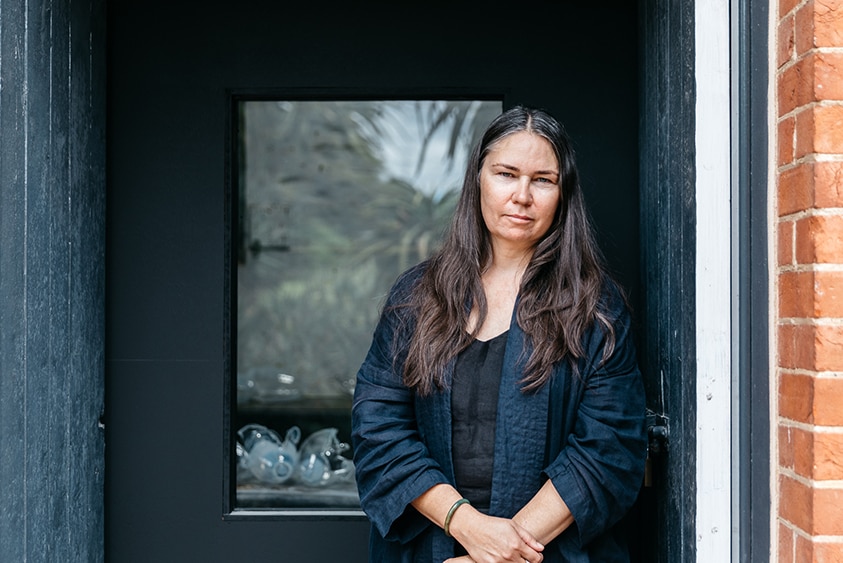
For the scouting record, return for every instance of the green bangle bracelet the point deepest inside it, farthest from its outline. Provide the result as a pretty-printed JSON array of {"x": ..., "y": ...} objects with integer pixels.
[{"x": 450, "y": 515}]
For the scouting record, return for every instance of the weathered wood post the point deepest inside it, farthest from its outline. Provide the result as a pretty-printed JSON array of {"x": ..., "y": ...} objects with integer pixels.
[{"x": 52, "y": 300}]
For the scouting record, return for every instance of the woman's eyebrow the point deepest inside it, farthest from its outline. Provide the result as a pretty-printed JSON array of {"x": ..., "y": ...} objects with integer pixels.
[{"x": 515, "y": 168}]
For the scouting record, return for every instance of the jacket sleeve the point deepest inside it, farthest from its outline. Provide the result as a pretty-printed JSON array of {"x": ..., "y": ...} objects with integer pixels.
[
  {"x": 393, "y": 466},
  {"x": 600, "y": 469}
]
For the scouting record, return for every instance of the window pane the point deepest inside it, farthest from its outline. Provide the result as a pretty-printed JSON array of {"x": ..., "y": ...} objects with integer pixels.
[{"x": 335, "y": 199}]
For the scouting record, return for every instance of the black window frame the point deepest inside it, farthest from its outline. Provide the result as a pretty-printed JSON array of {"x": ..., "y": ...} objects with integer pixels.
[{"x": 233, "y": 168}]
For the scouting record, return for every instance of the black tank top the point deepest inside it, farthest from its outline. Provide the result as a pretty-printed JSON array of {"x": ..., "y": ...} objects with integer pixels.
[{"x": 474, "y": 407}]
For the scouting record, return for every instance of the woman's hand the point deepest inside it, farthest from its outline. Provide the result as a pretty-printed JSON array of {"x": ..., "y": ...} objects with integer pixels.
[{"x": 488, "y": 539}]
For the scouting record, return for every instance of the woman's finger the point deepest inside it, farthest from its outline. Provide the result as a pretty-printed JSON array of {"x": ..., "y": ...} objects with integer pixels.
[{"x": 528, "y": 538}]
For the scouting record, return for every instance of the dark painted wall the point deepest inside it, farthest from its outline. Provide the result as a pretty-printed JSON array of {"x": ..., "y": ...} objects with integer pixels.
[{"x": 52, "y": 218}]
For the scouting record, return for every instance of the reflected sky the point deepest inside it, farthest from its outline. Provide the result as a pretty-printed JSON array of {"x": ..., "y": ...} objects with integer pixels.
[{"x": 403, "y": 127}]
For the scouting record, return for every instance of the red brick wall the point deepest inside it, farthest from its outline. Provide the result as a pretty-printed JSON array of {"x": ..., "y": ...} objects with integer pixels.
[{"x": 809, "y": 80}]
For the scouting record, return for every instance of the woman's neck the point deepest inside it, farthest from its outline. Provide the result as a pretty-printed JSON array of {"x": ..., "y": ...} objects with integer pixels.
[
  {"x": 507, "y": 266},
  {"x": 501, "y": 282}
]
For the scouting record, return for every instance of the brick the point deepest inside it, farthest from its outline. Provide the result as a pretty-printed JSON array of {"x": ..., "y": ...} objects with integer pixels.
[
  {"x": 828, "y": 23},
  {"x": 786, "y": 448},
  {"x": 785, "y": 6},
  {"x": 828, "y": 129},
  {"x": 804, "y": 28},
  {"x": 796, "y": 189},
  {"x": 828, "y": 456},
  {"x": 796, "y": 85},
  {"x": 786, "y": 40},
  {"x": 811, "y": 295},
  {"x": 803, "y": 550},
  {"x": 796, "y": 295},
  {"x": 814, "y": 511},
  {"x": 785, "y": 250},
  {"x": 814, "y": 348},
  {"x": 796, "y": 505},
  {"x": 796, "y": 397},
  {"x": 804, "y": 144},
  {"x": 815, "y": 77},
  {"x": 828, "y": 234},
  {"x": 818, "y": 240},
  {"x": 828, "y": 512},
  {"x": 828, "y": 76},
  {"x": 828, "y": 401},
  {"x": 810, "y": 185},
  {"x": 827, "y": 552},
  {"x": 803, "y": 457},
  {"x": 828, "y": 184},
  {"x": 829, "y": 356},
  {"x": 813, "y": 455},
  {"x": 787, "y": 542},
  {"x": 804, "y": 243},
  {"x": 795, "y": 349},
  {"x": 828, "y": 294},
  {"x": 786, "y": 140}
]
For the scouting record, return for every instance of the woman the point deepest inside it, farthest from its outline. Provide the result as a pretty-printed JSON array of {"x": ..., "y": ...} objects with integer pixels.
[{"x": 499, "y": 413}]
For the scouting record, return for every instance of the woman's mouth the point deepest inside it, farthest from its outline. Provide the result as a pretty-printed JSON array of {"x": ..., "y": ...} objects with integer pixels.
[{"x": 519, "y": 218}]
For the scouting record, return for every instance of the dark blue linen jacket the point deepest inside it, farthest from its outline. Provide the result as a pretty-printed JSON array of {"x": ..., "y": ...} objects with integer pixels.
[{"x": 583, "y": 431}]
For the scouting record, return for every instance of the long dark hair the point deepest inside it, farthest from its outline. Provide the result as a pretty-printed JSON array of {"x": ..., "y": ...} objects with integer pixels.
[{"x": 560, "y": 289}]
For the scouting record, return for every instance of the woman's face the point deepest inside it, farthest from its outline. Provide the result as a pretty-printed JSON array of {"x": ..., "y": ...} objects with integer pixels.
[{"x": 519, "y": 190}]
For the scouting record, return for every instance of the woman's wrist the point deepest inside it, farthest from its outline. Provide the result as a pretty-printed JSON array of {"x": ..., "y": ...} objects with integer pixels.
[
  {"x": 450, "y": 515},
  {"x": 463, "y": 522}
]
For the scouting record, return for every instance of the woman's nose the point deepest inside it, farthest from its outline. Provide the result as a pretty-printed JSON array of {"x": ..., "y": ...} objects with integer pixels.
[{"x": 522, "y": 192}]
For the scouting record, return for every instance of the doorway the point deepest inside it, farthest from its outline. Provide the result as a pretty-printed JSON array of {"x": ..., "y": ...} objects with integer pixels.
[{"x": 172, "y": 72}]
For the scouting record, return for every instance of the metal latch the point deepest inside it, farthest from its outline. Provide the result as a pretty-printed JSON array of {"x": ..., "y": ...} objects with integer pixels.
[{"x": 657, "y": 435}]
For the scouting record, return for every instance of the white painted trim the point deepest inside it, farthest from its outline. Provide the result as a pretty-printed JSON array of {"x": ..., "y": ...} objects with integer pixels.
[
  {"x": 736, "y": 80},
  {"x": 772, "y": 264},
  {"x": 713, "y": 280}
]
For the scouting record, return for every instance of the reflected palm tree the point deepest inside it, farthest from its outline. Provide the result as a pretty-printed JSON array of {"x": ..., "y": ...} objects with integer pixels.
[{"x": 337, "y": 199}]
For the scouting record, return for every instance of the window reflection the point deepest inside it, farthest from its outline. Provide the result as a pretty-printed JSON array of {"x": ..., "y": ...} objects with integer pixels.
[{"x": 335, "y": 199}]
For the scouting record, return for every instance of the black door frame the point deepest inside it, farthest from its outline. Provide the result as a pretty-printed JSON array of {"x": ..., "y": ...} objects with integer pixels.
[
  {"x": 668, "y": 255},
  {"x": 751, "y": 348},
  {"x": 750, "y": 19},
  {"x": 669, "y": 159},
  {"x": 668, "y": 262}
]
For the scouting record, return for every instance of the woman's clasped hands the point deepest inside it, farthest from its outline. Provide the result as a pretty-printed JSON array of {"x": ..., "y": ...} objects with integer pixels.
[{"x": 489, "y": 539}]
